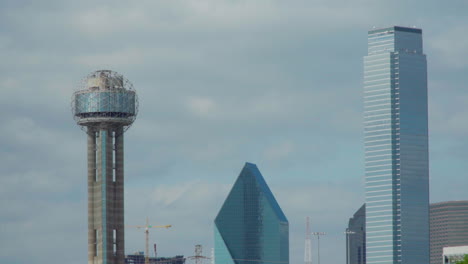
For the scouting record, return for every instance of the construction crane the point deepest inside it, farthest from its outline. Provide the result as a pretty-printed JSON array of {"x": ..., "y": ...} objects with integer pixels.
[{"x": 147, "y": 227}]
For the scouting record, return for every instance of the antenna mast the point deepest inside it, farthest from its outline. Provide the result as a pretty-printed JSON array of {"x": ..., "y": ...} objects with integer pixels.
[
  {"x": 308, "y": 244},
  {"x": 198, "y": 255}
]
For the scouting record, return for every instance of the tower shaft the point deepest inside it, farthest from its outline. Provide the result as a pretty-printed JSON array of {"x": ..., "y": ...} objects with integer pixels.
[{"x": 105, "y": 196}]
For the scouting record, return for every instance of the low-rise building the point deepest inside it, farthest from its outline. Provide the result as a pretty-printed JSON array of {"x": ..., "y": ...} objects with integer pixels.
[
  {"x": 448, "y": 226},
  {"x": 452, "y": 255},
  {"x": 139, "y": 258}
]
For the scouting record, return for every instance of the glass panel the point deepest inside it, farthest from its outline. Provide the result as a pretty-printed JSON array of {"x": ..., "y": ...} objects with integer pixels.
[{"x": 250, "y": 225}]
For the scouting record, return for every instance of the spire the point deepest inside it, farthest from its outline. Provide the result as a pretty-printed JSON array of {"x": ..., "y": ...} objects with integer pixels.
[{"x": 308, "y": 245}]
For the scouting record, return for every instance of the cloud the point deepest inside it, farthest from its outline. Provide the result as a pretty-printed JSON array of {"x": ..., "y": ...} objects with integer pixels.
[
  {"x": 451, "y": 53},
  {"x": 112, "y": 59},
  {"x": 201, "y": 106},
  {"x": 220, "y": 83},
  {"x": 280, "y": 151},
  {"x": 167, "y": 195},
  {"x": 103, "y": 21}
]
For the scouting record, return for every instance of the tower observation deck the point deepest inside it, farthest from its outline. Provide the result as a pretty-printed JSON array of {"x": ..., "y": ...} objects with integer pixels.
[{"x": 105, "y": 106}]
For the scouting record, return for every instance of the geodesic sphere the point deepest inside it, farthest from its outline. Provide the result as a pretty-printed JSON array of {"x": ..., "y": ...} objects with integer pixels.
[{"x": 106, "y": 99}]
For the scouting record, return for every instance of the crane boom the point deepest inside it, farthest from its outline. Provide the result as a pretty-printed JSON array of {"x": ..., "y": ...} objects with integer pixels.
[{"x": 147, "y": 227}]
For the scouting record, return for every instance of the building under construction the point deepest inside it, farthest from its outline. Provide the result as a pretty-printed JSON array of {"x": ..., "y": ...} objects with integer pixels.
[{"x": 139, "y": 258}]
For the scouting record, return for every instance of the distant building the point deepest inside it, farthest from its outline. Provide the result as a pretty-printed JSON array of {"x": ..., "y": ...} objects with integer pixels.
[
  {"x": 356, "y": 249},
  {"x": 449, "y": 227},
  {"x": 251, "y": 227},
  {"x": 139, "y": 258},
  {"x": 452, "y": 255},
  {"x": 396, "y": 147}
]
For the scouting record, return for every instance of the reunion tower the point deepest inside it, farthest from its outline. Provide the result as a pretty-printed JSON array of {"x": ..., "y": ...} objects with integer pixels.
[{"x": 105, "y": 106}]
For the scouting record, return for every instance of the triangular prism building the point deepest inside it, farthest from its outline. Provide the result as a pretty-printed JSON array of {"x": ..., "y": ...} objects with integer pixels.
[{"x": 251, "y": 228}]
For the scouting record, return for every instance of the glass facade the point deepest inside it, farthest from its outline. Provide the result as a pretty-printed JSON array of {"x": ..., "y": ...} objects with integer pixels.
[
  {"x": 396, "y": 147},
  {"x": 120, "y": 101},
  {"x": 251, "y": 227},
  {"x": 356, "y": 240}
]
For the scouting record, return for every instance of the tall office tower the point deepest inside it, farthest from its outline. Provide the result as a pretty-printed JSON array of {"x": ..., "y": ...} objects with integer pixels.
[
  {"x": 396, "y": 147},
  {"x": 250, "y": 227},
  {"x": 356, "y": 237},
  {"x": 105, "y": 106},
  {"x": 449, "y": 227}
]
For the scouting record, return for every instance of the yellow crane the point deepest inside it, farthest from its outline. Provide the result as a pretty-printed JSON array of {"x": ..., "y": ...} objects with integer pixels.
[{"x": 147, "y": 227}]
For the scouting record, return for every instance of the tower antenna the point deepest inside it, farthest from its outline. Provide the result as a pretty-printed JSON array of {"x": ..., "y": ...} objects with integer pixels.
[{"x": 308, "y": 244}]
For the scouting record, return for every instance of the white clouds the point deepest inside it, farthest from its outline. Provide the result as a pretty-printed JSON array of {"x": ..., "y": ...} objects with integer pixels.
[
  {"x": 112, "y": 59},
  {"x": 280, "y": 151},
  {"x": 166, "y": 195},
  {"x": 104, "y": 21},
  {"x": 192, "y": 193},
  {"x": 201, "y": 106},
  {"x": 107, "y": 20},
  {"x": 25, "y": 133},
  {"x": 272, "y": 105}
]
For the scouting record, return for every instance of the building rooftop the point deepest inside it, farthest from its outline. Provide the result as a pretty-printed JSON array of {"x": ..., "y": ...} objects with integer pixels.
[
  {"x": 396, "y": 28},
  {"x": 457, "y": 202}
]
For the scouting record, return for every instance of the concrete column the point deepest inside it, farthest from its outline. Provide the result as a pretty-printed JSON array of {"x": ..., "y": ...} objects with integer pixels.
[
  {"x": 91, "y": 180},
  {"x": 99, "y": 200},
  {"x": 104, "y": 195},
  {"x": 109, "y": 220},
  {"x": 119, "y": 195},
  {"x": 106, "y": 198}
]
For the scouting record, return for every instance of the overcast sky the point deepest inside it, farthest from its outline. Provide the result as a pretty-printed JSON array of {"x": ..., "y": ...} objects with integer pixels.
[{"x": 220, "y": 82}]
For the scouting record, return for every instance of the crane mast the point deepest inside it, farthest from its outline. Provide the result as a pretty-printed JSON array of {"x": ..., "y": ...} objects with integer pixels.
[{"x": 147, "y": 227}]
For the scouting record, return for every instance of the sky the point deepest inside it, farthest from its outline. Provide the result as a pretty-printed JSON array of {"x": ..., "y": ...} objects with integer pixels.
[{"x": 220, "y": 83}]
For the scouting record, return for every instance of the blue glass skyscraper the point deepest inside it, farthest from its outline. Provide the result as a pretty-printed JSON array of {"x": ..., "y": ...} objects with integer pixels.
[
  {"x": 251, "y": 227},
  {"x": 396, "y": 147},
  {"x": 356, "y": 239}
]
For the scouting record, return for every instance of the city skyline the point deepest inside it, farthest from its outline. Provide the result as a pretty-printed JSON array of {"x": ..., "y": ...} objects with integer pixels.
[{"x": 220, "y": 83}]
